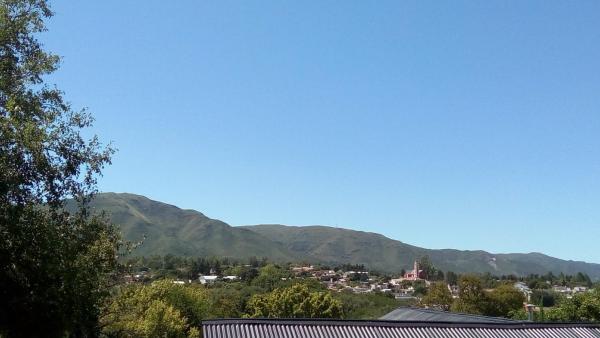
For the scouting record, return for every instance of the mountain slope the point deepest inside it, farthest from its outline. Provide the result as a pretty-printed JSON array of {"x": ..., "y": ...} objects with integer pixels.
[
  {"x": 171, "y": 230},
  {"x": 377, "y": 251}
]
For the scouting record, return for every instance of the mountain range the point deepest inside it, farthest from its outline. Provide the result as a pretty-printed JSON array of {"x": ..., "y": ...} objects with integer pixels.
[{"x": 167, "y": 229}]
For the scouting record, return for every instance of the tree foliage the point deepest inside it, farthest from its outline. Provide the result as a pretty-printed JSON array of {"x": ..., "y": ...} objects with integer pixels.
[
  {"x": 270, "y": 277},
  {"x": 294, "y": 302},
  {"x": 503, "y": 300},
  {"x": 438, "y": 296},
  {"x": 161, "y": 309},
  {"x": 55, "y": 265},
  {"x": 473, "y": 298},
  {"x": 583, "y": 307}
]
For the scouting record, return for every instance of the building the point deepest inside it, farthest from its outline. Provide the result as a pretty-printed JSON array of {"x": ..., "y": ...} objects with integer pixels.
[
  {"x": 308, "y": 328},
  {"x": 415, "y": 273},
  {"x": 207, "y": 279}
]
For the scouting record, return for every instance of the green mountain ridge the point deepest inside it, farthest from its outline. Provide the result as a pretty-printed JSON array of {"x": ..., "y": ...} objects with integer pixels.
[{"x": 168, "y": 229}]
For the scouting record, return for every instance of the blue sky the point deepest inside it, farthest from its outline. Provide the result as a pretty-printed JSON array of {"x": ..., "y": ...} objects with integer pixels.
[{"x": 444, "y": 124}]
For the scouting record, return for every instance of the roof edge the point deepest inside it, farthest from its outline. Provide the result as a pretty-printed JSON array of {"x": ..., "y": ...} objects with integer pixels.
[{"x": 395, "y": 323}]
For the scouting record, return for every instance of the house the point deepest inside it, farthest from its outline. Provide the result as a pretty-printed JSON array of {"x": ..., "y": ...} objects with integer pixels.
[
  {"x": 308, "y": 328},
  {"x": 207, "y": 279},
  {"x": 301, "y": 269},
  {"x": 230, "y": 278},
  {"x": 396, "y": 281},
  {"x": 561, "y": 289}
]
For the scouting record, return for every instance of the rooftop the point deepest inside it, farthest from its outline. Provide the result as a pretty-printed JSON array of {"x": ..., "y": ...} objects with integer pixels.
[
  {"x": 430, "y": 315},
  {"x": 323, "y": 328}
]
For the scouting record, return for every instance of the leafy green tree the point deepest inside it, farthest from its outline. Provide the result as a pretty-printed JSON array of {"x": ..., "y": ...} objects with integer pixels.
[
  {"x": 55, "y": 265},
  {"x": 420, "y": 288},
  {"x": 294, "y": 302},
  {"x": 583, "y": 307},
  {"x": 439, "y": 275},
  {"x": 471, "y": 296},
  {"x": 270, "y": 277},
  {"x": 544, "y": 298},
  {"x": 451, "y": 278},
  {"x": 438, "y": 296},
  {"x": 226, "y": 302},
  {"x": 161, "y": 309},
  {"x": 504, "y": 300},
  {"x": 161, "y": 320},
  {"x": 426, "y": 265}
]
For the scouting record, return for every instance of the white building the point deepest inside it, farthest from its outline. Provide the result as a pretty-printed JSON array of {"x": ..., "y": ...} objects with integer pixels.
[{"x": 207, "y": 279}]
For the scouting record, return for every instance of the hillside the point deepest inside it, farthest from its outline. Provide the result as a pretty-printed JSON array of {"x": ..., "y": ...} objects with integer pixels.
[
  {"x": 169, "y": 229},
  {"x": 328, "y": 244}
]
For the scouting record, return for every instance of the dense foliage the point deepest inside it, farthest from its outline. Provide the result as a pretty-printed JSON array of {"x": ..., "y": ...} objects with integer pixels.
[
  {"x": 160, "y": 309},
  {"x": 584, "y": 307},
  {"x": 55, "y": 266},
  {"x": 294, "y": 302},
  {"x": 438, "y": 297},
  {"x": 475, "y": 299}
]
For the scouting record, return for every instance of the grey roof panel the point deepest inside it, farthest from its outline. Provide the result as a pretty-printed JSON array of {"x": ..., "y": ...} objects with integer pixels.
[
  {"x": 429, "y": 315},
  {"x": 268, "y": 328}
]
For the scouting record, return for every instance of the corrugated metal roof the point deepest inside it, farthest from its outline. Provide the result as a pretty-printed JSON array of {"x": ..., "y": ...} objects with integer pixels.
[
  {"x": 430, "y": 315},
  {"x": 290, "y": 328}
]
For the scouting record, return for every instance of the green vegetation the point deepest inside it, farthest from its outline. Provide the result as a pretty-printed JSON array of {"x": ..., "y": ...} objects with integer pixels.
[
  {"x": 160, "y": 309},
  {"x": 473, "y": 298},
  {"x": 55, "y": 267},
  {"x": 368, "y": 306},
  {"x": 438, "y": 297},
  {"x": 294, "y": 302},
  {"x": 166, "y": 308},
  {"x": 583, "y": 307}
]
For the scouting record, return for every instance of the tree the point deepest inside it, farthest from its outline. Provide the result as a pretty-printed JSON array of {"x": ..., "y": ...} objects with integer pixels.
[
  {"x": 438, "y": 296},
  {"x": 269, "y": 277},
  {"x": 451, "y": 278},
  {"x": 226, "y": 302},
  {"x": 583, "y": 307},
  {"x": 504, "y": 300},
  {"x": 55, "y": 265},
  {"x": 161, "y": 309},
  {"x": 471, "y": 296},
  {"x": 544, "y": 298},
  {"x": 426, "y": 265},
  {"x": 294, "y": 302}
]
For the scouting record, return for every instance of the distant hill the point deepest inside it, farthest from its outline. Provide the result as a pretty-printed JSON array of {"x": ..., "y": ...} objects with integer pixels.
[
  {"x": 328, "y": 244},
  {"x": 171, "y": 230}
]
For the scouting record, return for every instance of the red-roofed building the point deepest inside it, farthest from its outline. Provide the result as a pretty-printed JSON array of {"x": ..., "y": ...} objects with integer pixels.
[{"x": 415, "y": 273}]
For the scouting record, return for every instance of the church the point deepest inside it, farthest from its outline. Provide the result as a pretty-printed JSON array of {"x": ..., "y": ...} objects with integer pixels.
[{"x": 415, "y": 273}]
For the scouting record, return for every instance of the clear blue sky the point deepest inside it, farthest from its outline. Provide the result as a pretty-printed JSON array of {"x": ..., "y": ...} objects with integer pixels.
[{"x": 444, "y": 124}]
